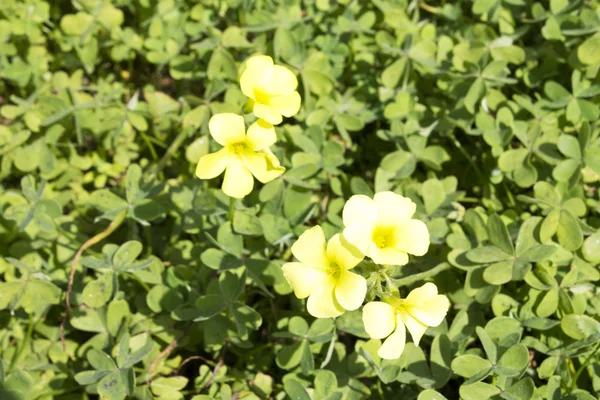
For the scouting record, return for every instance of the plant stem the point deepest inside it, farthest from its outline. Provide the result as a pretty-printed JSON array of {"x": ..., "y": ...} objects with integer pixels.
[
  {"x": 169, "y": 349},
  {"x": 96, "y": 239},
  {"x": 583, "y": 367},
  {"x": 24, "y": 344},
  {"x": 231, "y": 209},
  {"x": 462, "y": 151},
  {"x": 183, "y": 134},
  {"x": 330, "y": 349},
  {"x": 422, "y": 275}
]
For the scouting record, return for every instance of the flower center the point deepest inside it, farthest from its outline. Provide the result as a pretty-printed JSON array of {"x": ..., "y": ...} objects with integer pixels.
[
  {"x": 396, "y": 303},
  {"x": 383, "y": 237},
  {"x": 261, "y": 95},
  {"x": 239, "y": 147},
  {"x": 334, "y": 271}
]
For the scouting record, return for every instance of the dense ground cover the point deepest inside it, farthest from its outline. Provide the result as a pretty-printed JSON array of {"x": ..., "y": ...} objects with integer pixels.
[{"x": 484, "y": 114}]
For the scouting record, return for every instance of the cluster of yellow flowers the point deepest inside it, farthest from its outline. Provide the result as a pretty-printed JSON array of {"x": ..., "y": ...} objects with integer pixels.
[
  {"x": 381, "y": 228},
  {"x": 272, "y": 93}
]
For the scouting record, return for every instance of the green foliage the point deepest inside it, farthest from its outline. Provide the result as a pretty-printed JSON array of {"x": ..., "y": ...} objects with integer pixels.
[{"x": 484, "y": 113}]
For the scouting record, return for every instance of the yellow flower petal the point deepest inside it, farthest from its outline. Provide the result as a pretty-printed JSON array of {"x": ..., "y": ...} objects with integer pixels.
[
  {"x": 303, "y": 279},
  {"x": 322, "y": 303},
  {"x": 310, "y": 248},
  {"x": 273, "y": 159},
  {"x": 359, "y": 208},
  {"x": 288, "y": 104},
  {"x": 416, "y": 328},
  {"x": 378, "y": 319},
  {"x": 426, "y": 305},
  {"x": 421, "y": 294},
  {"x": 261, "y": 166},
  {"x": 393, "y": 209},
  {"x": 267, "y": 113},
  {"x": 387, "y": 255},
  {"x": 227, "y": 128},
  {"x": 212, "y": 165},
  {"x": 350, "y": 290},
  {"x": 258, "y": 70},
  {"x": 393, "y": 346},
  {"x": 261, "y": 135},
  {"x": 412, "y": 237},
  {"x": 433, "y": 312},
  {"x": 359, "y": 236},
  {"x": 281, "y": 81},
  {"x": 343, "y": 253},
  {"x": 238, "y": 180}
]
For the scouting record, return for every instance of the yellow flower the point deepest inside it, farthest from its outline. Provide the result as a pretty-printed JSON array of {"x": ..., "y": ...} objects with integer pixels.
[
  {"x": 423, "y": 307},
  {"x": 382, "y": 228},
  {"x": 272, "y": 88},
  {"x": 242, "y": 155},
  {"x": 323, "y": 274}
]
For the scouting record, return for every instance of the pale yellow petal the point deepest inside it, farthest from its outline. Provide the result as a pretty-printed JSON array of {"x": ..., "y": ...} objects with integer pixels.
[
  {"x": 212, "y": 165},
  {"x": 238, "y": 181},
  {"x": 322, "y": 303},
  {"x": 343, "y": 253},
  {"x": 267, "y": 113},
  {"x": 387, "y": 255},
  {"x": 359, "y": 235},
  {"x": 261, "y": 135},
  {"x": 421, "y": 294},
  {"x": 273, "y": 158},
  {"x": 393, "y": 346},
  {"x": 359, "y": 208},
  {"x": 258, "y": 70},
  {"x": 261, "y": 167},
  {"x": 227, "y": 128},
  {"x": 303, "y": 279},
  {"x": 416, "y": 328},
  {"x": 288, "y": 104},
  {"x": 432, "y": 312},
  {"x": 350, "y": 290},
  {"x": 310, "y": 248},
  {"x": 378, "y": 319},
  {"x": 426, "y": 305},
  {"x": 281, "y": 81},
  {"x": 412, "y": 237},
  {"x": 393, "y": 208}
]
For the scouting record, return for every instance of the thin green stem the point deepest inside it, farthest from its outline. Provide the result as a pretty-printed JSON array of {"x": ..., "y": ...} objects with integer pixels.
[
  {"x": 150, "y": 145},
  {"x": 422, "y": 275},
  {"x": 427, "y": 7},
  {"x": 462, "y": 151},
  {"x": 583, "y": 367},
  {"x": 231, "y": 212},
  {"x": 389, "y": 282},
  {"x": 511, "y": 199},
  {"x": 96, "y": 239},
  {"x": 183, "y": 134},
  {"x": 330, "y": 349},
  {"x": 23, "y": 345},
  {"x": 380, "y": 390},
  {"x": 141, "y": 282}
]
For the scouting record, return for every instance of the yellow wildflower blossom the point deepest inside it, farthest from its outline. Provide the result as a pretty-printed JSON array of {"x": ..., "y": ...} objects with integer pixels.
[
  {"x": 423, "y": 307},
  {"x": 242, "y": 155},
  {"x": 272, "y": 89},
  {"x": 382, "y": 228},
  {"x": 323, "y": 274}
]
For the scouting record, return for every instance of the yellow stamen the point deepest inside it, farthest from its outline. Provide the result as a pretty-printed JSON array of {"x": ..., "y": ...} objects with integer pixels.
[
  {"x": 383, "y": 238},
  {"x": 239, "y": 147},
  {"x": 334, "y": 271}
]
